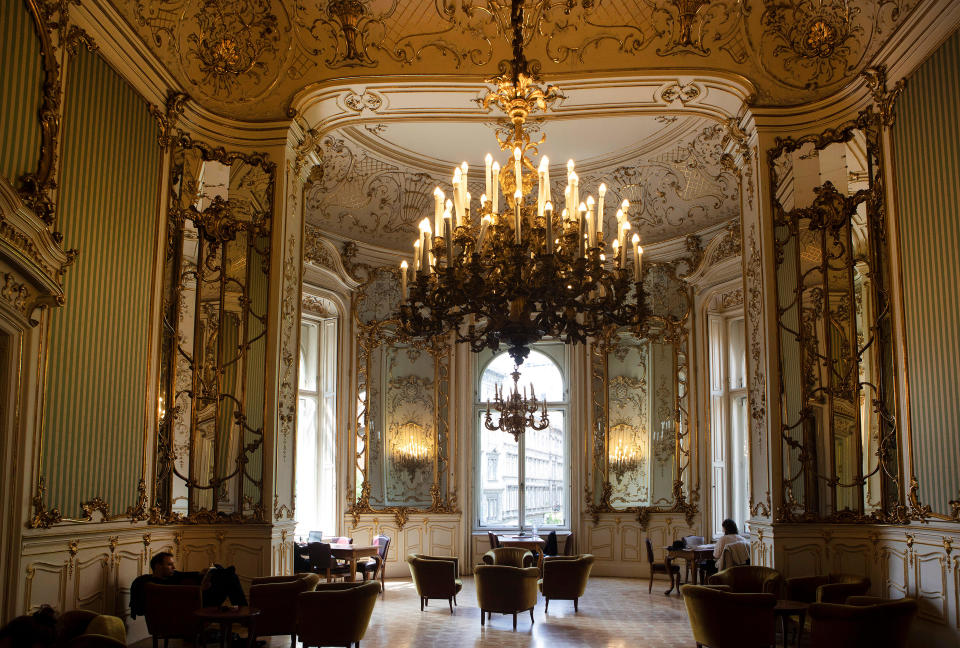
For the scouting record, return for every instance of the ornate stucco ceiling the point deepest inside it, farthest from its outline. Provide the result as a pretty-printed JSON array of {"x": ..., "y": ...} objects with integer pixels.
[
  {"x": 374, "y": 185},
  {"x": 248, "y": 59}
]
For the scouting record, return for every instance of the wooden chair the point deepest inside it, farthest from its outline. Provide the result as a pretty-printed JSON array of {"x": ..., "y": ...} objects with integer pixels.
[
  {"x": 494, "y": 541},
  {"x": 660, "y": 568},
  {"x": 377, "y": 565},
  {"x": 570, "y": 546},
  {"x": 323, "y": 563},
  {"x": 169, "y": 612},
  {"x": 551, "y": 548}
]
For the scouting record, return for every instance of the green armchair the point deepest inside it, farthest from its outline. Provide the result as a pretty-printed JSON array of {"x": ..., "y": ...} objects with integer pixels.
[
  {"x": 565, "y": 577},
  {"x": 832, "y": 588},
  {"x": 749, "y": 579},
  {"x": 506, "y": 590},
  {"x": 720, "y": 618},
  {"x": 512, "y": 556},
  {"x": 435, "y": 577},
  {"x": 336, "y": 614},
  {"x": 865, "y": 622},
  {"x": 86, "y": 629},
  {"x": 276, "y": 597}
]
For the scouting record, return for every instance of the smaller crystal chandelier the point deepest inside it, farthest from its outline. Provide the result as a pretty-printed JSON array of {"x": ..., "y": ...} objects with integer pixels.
[
  {"x": 410, "y": 452},
  {"x": 516, "y": 413},
  {"x": 625, "y": 456}
]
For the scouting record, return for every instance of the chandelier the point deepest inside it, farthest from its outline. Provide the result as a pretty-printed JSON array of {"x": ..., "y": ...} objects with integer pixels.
[
  {"x": 411, "y": 452},
  {"x": 517, "y": 411},
  {"x": 516, "y": 272},
  {"x": 625, "y": 456}
]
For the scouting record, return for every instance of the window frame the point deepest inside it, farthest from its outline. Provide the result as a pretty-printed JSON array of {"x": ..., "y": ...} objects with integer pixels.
[{"x": 558, "y": 354}]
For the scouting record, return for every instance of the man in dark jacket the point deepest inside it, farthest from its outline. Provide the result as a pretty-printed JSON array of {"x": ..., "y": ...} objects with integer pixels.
[{"x": 218, "y": 583}]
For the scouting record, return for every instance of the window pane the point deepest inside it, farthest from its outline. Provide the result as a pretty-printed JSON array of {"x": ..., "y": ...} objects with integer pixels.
[
  {"x": 499, "y": 479},
  {"x": 306, "y": 487},
  {"x": 544, "y": 474},
  {"x": 537, "y": 369},
  {"x": 308, "y": 356}
]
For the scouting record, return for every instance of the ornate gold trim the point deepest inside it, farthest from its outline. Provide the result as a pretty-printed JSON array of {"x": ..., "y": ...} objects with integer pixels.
[
  {"x": 42, "y": 518},
  {"x": 884, "y": 99},
  {"x": 95, "y": 505},
  {"x": 168, "y": 117},
  {"x": 76, "y": 37}
]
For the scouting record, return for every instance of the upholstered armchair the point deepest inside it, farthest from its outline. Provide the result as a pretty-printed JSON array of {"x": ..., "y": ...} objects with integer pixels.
[
  {"x": 832, "y": 588},
  {"x": 512, "y": 556},
  {"x": 749, "y": 579},
  {"x": 276, "y": 597},
  {"x": 565, "y": 577},
  {"x": 435, "y": 577},
  {"x": 505, "y": 590},
  {"x": 336, "y": 614},
  {"x": 865, "y": 622},
  {"x": 86, "y": 629},
  {"x": 720, "y": 618},
  {"x": 169, "y": 611}
]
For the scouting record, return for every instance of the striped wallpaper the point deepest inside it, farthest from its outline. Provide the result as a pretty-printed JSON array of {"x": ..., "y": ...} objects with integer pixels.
[
  {"x": 94, "y": 404},
  {"x": 927, "y": 159},
  {"x": 21, "y": 86}
]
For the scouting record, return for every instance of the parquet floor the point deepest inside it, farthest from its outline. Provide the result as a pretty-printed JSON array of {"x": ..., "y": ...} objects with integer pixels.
[{"x": 614, "y": 613}]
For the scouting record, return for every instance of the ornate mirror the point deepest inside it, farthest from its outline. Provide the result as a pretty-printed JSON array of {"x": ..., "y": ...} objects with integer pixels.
[{"x": 213, "y": 353}]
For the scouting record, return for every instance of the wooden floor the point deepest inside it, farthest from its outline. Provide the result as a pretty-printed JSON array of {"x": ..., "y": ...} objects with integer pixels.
[{"x": 614, "y": 613}]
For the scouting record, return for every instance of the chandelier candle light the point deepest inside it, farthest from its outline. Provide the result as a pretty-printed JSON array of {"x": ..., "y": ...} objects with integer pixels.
[
  {"x": 517, "y": 275},
  {"x": 517, "y": 411}
]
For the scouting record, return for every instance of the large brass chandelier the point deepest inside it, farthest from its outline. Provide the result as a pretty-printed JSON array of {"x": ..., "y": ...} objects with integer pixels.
[{"x": 515, "y": 273}]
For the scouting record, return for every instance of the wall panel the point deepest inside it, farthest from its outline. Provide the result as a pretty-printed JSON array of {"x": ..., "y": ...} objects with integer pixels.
[
  {"x": 927, "y": 162},
  {"x": 21, "y": 84},
  {"x": 94, "y": 407}
]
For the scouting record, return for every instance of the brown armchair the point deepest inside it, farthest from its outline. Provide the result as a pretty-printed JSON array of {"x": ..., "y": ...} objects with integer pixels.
[
  {"x": 276, "y": 597},
  {"x": 749, "y": 579},
  {"x": 711, "y": 610},
  {"x": 565, "y": 577},
  {"x": 511, "y": 556},
  {"x": 170, "y": 611},
  {"x": 505, "y": 590},
  {"x": 435, "y": 577},
  {"x": 832, "y": 588},
  {"x": 86, "y": 629},
  {"x": 866, "y": 623},
  {"x": 336, "y": 614}
]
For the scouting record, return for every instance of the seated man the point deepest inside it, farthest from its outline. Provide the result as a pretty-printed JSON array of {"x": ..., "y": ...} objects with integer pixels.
[{"x": 218, "y": 583}]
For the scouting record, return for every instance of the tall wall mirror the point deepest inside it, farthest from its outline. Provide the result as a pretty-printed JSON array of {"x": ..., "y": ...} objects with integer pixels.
[
  {"x": 641, "y": 429},
  {"x": 213, "y": 348},
  {"x": 840, "y": 456},
  {"x": 402, "y": 417}
]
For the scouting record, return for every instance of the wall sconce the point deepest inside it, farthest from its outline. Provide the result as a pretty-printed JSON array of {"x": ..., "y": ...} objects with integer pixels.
[{"x": 412, "y": 449}]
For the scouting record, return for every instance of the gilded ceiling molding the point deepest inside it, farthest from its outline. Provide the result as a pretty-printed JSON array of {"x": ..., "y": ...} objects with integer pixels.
[
  {"x": 76, "y": 37},
  {"x": 168, "y": 117},
  {"x": 321, "y": 252}
]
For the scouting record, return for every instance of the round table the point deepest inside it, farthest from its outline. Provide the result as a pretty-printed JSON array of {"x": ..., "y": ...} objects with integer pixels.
[
  {"x": 226, "y": 617},
  {"x": 784, "y": 610}
]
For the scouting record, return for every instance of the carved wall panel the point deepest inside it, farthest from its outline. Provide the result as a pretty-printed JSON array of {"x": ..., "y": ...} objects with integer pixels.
[
  {"x": 618, "y": 542},
  {"x": 432, "y": 534}
]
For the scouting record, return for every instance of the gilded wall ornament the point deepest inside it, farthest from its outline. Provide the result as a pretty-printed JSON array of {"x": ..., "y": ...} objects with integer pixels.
[
  {"x": 96, "y": 505},
  {"x": 42, "y": 518},
  {"x": 233, "y": 49},
  {"x": 883, "y": 98},
  {"x": 15, "y": 293},
  {"x": 168, "y": 117}
]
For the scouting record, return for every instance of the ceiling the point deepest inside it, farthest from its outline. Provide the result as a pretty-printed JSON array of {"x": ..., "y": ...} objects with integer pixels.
[
  {"x": 374, "y": 186},
  {"x": 246, "y": 60}
]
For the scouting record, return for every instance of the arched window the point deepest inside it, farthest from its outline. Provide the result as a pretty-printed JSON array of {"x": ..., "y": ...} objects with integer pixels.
[{"x": 523, "y": 484}]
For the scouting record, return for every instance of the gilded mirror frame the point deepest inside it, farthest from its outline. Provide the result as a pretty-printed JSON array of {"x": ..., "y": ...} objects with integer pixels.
[
  {"x": 380, "y": 330},
  {"x": 665, "y": 328},
  {"x": 218, "y": 224},
  {"x": 832, "y": 214}
]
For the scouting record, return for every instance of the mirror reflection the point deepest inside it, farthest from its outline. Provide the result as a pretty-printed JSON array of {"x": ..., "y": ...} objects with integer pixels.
[
  {"x": 214, "y": 334},
  {"x": 839, "y": 440}
]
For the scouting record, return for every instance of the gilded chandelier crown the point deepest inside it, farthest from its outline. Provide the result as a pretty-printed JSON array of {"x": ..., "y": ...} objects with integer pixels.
[{"x": 517, "y": 275}]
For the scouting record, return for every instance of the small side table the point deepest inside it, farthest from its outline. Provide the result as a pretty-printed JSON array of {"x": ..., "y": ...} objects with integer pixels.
[
  {"x": 786, "y": 609},
  {"x": 226, "y": 618}
]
